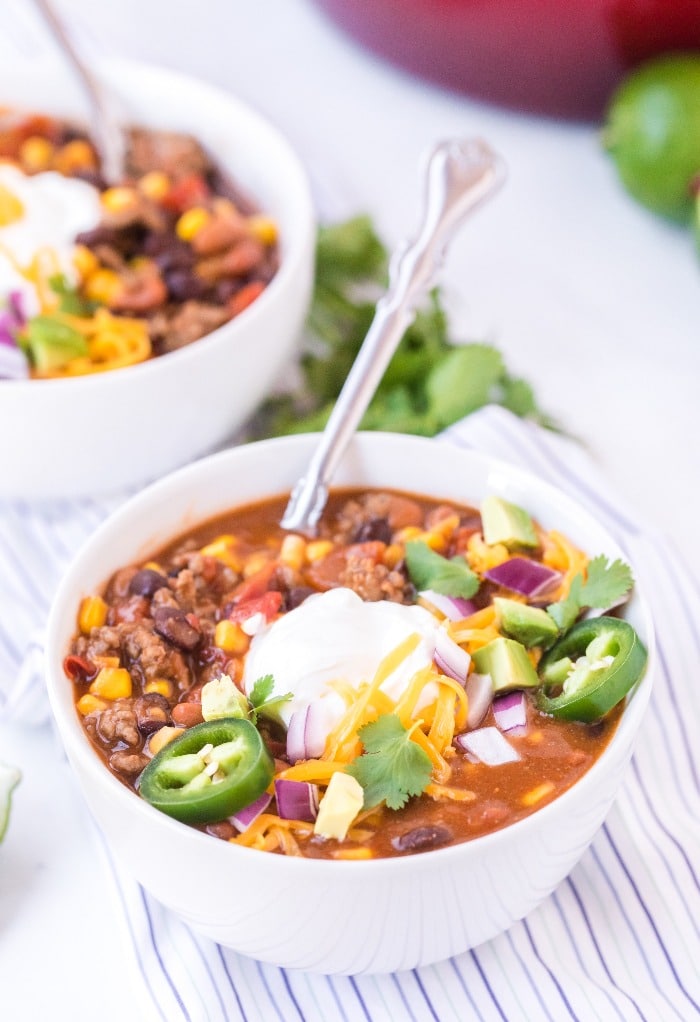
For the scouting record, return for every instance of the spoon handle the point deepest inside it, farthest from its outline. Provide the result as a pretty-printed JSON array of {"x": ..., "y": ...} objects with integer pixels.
[
  {"x": 105, "y": 130},
  {"x": 460, "y": 175}
]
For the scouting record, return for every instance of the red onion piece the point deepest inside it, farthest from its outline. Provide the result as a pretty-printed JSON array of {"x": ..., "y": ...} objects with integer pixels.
[
  {"x": 451, "y": 658},
  {"x": 296, "y": 800},
  {"x": 244, "y": 817},
  {"x": 524, "y": 576},
  {"x": 487, "y": 745},
  {"x": 13, "y": 363},
  {"x": 306, "y": 733},
  {"x": 479, "y": 696},
  {"x": 510, "y": 712},
  {"x": 455, "y": 608}
]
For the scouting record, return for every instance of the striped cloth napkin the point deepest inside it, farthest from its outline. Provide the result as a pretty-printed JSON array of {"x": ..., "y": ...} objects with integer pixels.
[{"x": 619, "y": 939}]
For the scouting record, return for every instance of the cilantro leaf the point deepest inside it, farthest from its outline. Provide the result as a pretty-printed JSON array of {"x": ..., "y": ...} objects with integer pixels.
[
  {"x": 69, "y": 300},
  {"x": 261, "y": 703},
  {"x": 393, "y": 767},
  {"x": 429, "y": 570},
  {"x": 606, "y": 582}
]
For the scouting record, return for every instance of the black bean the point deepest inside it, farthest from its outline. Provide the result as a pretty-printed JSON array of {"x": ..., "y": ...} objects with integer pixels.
[
  {"x": 226, "y": 289},
  {"x": 421, "y": 839},
  {"x": 373, "y": 528},
  {"x": 146, "y": 582},
  {"x": 296, "y": 596},
  {"x": 168, "y": 252},
  {"x": 152, "y": 712},
  {"x": 100, "y": 236},
  {"x": 183, "y": 285},
  {"x": 172, "y": 625}
]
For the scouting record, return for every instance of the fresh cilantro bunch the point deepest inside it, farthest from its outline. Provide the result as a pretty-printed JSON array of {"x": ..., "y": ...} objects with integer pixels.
[
  {"x": 429, "y": 383},
  {"x": 606, "y": 584}
]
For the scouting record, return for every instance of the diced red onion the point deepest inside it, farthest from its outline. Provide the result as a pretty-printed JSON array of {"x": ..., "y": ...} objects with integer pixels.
[
  {"x": 598, "y": 612},
  {"x": 13, "y": 363},
  {"x": 455, "y": 608},
  {"x": 244, "y": 817},
  {"x": 524, "y": 576},
  {"x": 479, "y": 696},
  {"x": 306, "y": 733},
  {"x": 296, "y": 800},
  {"x": 510, "y": 712},
  {"x": 451, "y": 658},
  {"x": 487, "y": 745}
]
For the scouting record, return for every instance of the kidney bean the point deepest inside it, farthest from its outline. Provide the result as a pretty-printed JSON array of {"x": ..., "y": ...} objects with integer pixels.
[
  {"x": 182, "y": 284},
  {"x": 79, "y": 668},
  {"x": 373, "y": 528},
  {"x": 146, "y": 582},
  {"x": 152, "y": 712},
  {"x": 420, "y": 839},
  {"x": 295, "y": 596},
  {"x": 187, "y": 714},
  {"x": 174, "y": 626}
]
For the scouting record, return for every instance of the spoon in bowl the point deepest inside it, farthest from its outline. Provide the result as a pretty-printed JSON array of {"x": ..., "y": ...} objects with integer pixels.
[
  {"x": 460, "y": 175},
  {"x": 105, "y": 129}
]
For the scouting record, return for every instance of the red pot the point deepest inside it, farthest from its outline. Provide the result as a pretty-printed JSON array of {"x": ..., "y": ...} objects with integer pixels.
[{"x": 557, "y": 57}]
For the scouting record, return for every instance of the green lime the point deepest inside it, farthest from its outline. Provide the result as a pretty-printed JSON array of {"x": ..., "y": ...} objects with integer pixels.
[{"x": 652, "y": 131}]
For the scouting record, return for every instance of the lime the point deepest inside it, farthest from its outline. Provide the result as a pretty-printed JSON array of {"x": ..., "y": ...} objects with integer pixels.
[{"x": 652, "y": 131}]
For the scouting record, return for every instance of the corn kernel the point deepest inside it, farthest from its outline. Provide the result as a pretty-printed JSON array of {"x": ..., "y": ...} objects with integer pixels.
[
  {"x": 92, "y": 614},
  {"x": 536, "y": 795},
  {"x": 105, "y": 661},
  {"x": 112, "y": 683},
  {"x": 408, "y": 533},
  {"x": 36, "y": 153},
  {"x": 191, "y": 222},
  {"x": 293, "y": 551},
  {"x": 75, "y": 155},
  {"x": 154, "y": 566},
  {"x": 155, "y": 184},
  {"x": 221, "y": 549},
  {"x": 161, "y": 686},
  {"x": 353, "y": 853},
  {"x": 229, "y": 636},
  {"x": 119, "y": 198},
  {"x": 103, "y": 286},
  {"x": 256, "y": 562},
  {"x": 317, "y": 549},
  {"x": 432, "y": 539},
  {"x": 263, "y": 228},
  {"x": 162, "y": 736},
  {"x": 85, "y": 261},
  {"x": 89, "y": 704},
  {"x": 393, "y": 554}
]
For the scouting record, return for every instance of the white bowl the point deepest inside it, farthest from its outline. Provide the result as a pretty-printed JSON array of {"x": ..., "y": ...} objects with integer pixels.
[
  {"x": 88, "y": 435},
  {"x": 332, "y": 916}
]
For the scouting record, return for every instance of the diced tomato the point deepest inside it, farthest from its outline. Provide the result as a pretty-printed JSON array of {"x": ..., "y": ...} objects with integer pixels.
[
  {"x": 257, "y": 584},
  {"x": 268, "y": 605},
  {"x": 187, "y": 192}
]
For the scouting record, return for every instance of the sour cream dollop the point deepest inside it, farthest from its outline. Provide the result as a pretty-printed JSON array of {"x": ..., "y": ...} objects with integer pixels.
[
  {"x": 336, "y": 636},
  {"x": 41, "y": 213}
]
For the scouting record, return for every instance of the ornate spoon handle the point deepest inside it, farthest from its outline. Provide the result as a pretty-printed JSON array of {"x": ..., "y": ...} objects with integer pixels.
[{"x": 460, "y": 175}]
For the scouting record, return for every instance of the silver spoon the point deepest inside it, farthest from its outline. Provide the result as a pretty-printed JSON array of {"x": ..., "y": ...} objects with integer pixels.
[
  {"x": 105, "y": 129},
  {"x": 460, "y": 175}
]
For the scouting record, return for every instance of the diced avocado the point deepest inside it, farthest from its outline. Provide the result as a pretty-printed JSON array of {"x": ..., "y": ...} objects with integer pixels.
[
  {"x": 221, "y": 698},
  {"x": 508, "y": 664},
  {"x": 506, "y": 523},
  {"x": 52, "y": 343},
  {"x": 339, "y": 806},
  {"x": 529, "y": 625}
]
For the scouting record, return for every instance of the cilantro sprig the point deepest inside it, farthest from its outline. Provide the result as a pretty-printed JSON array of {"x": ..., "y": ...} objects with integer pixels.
[
  {"x": 430, "y": 382},
  {"x": 262, "y": 704},
  {"x": 429, "y": 570},
  {"x": 606, "y": 583},
  {"x": 392, "y": 767}
]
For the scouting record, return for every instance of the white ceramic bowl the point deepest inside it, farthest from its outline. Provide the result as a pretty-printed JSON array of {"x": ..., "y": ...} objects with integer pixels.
[
  {"x": 88, "y": 435},
  {"x": 332, "y": 916}
]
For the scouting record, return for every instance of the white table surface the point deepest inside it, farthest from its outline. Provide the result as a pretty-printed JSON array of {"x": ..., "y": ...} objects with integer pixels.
[{"x": 593, "y": 300}]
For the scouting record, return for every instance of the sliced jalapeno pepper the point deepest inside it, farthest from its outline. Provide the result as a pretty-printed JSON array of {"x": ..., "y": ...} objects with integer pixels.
[
  {"x": 210, "y": 772},
  {"x": 591, "y": 668}
]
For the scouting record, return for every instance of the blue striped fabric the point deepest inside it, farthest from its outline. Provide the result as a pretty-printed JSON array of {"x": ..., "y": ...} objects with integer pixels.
[{"x": 619, "y": 939}]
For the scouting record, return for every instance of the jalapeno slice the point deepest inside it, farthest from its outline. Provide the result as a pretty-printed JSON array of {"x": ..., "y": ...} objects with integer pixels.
[
  {"x": 591, "y": 669},
  {"x": 213, "y": 770}
]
